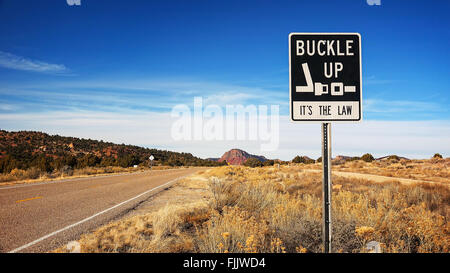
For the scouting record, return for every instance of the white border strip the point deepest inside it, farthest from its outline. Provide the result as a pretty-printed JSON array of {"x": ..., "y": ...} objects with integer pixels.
[
  {"x": 90, "y": 217},
  {"x": 360, "y": 78}
]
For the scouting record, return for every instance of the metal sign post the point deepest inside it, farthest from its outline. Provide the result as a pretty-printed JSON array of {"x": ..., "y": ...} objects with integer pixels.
[
  {"x": 325, "y": 85},
  {"x": 326, "y": 193},
  {"x": 151, "y": 161}
]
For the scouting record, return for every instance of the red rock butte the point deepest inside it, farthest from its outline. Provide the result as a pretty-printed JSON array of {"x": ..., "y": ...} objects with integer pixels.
[{"x": 238, "y": 157}]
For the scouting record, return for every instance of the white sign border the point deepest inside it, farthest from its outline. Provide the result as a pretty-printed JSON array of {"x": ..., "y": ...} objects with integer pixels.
[{"x": 360, "y": 81}]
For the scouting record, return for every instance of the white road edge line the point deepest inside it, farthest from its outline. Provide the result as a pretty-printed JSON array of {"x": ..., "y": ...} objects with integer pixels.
[{"x": 91, "y": 217}]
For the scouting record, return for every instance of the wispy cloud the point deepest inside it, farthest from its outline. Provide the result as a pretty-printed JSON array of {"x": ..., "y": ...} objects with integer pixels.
[
  {"x": 6, "y": 107},
  {"x": 12, "y": 61},
  {"x": 372, "y": 80},
  {"x": 126, "y": 95}
]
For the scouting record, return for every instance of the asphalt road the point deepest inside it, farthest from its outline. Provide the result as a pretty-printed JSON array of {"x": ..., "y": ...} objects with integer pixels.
[{"x": 39, "y": 217}]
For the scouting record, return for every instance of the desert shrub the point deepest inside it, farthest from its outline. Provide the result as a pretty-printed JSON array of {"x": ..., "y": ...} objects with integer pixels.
[
  {"x": 253, "y": 162},
  {"x": 66, "y": 171},
  {"x": 367, "y": 157},
  {"x": 222, "y": 193},
  {"x": 269, "y": 162},
  {"x": 437, "y": 155},
  {"x": 255, "y": 197},
  {"x": 319, "y": 159},
  {"x": 296, "y": 221},
  {"x": 298, "y": 159},
  {"x": 344, "y": 237},
  {"x": 302, "y": 159},
  {"x": 43, "y": 163},
  {"x": 235, "y": 231},
  {"x": 88, "y": 171},
  {"x": 32, "y": 173},
  {"x": 19, "y": 174}
]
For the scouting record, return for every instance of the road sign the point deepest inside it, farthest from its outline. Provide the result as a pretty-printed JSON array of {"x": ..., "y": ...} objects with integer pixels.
[
  {"x": 151, "y": 161},
  {"x": 325, "y": 77},
  {"x": 325, "y": 86}
]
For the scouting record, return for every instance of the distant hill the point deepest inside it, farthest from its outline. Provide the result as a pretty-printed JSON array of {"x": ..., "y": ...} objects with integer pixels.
[
  {"x": 342, "y": 157},
  {"x": 26, "y": 149},
  {"x": 391, "y": 157},
  {"x": 238, "y": 157}
]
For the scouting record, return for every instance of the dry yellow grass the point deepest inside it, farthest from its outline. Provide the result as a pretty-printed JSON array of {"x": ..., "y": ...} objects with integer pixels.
[
  {"x": 437, "y": 170},
  {"x": 270, "y": 210}
]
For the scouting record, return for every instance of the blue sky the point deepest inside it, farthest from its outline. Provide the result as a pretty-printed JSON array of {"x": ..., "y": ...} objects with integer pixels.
[{"x": 125, "y": 58}]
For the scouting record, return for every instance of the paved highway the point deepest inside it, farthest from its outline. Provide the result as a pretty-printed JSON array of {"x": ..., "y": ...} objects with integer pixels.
[{"x": 39, "y": 217}]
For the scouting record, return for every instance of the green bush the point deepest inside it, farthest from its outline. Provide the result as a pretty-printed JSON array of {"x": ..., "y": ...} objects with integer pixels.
[
  {"x": 367, "y": 158},
  {"x": 269, "y": 162},
  {"x": 302, "y": 159},
  {"x": 253, "y": 162},
  {"x": 298, "y": 159}
]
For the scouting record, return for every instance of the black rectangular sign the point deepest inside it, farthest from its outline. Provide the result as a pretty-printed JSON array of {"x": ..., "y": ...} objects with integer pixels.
[{"x": 325, "y": 77}]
